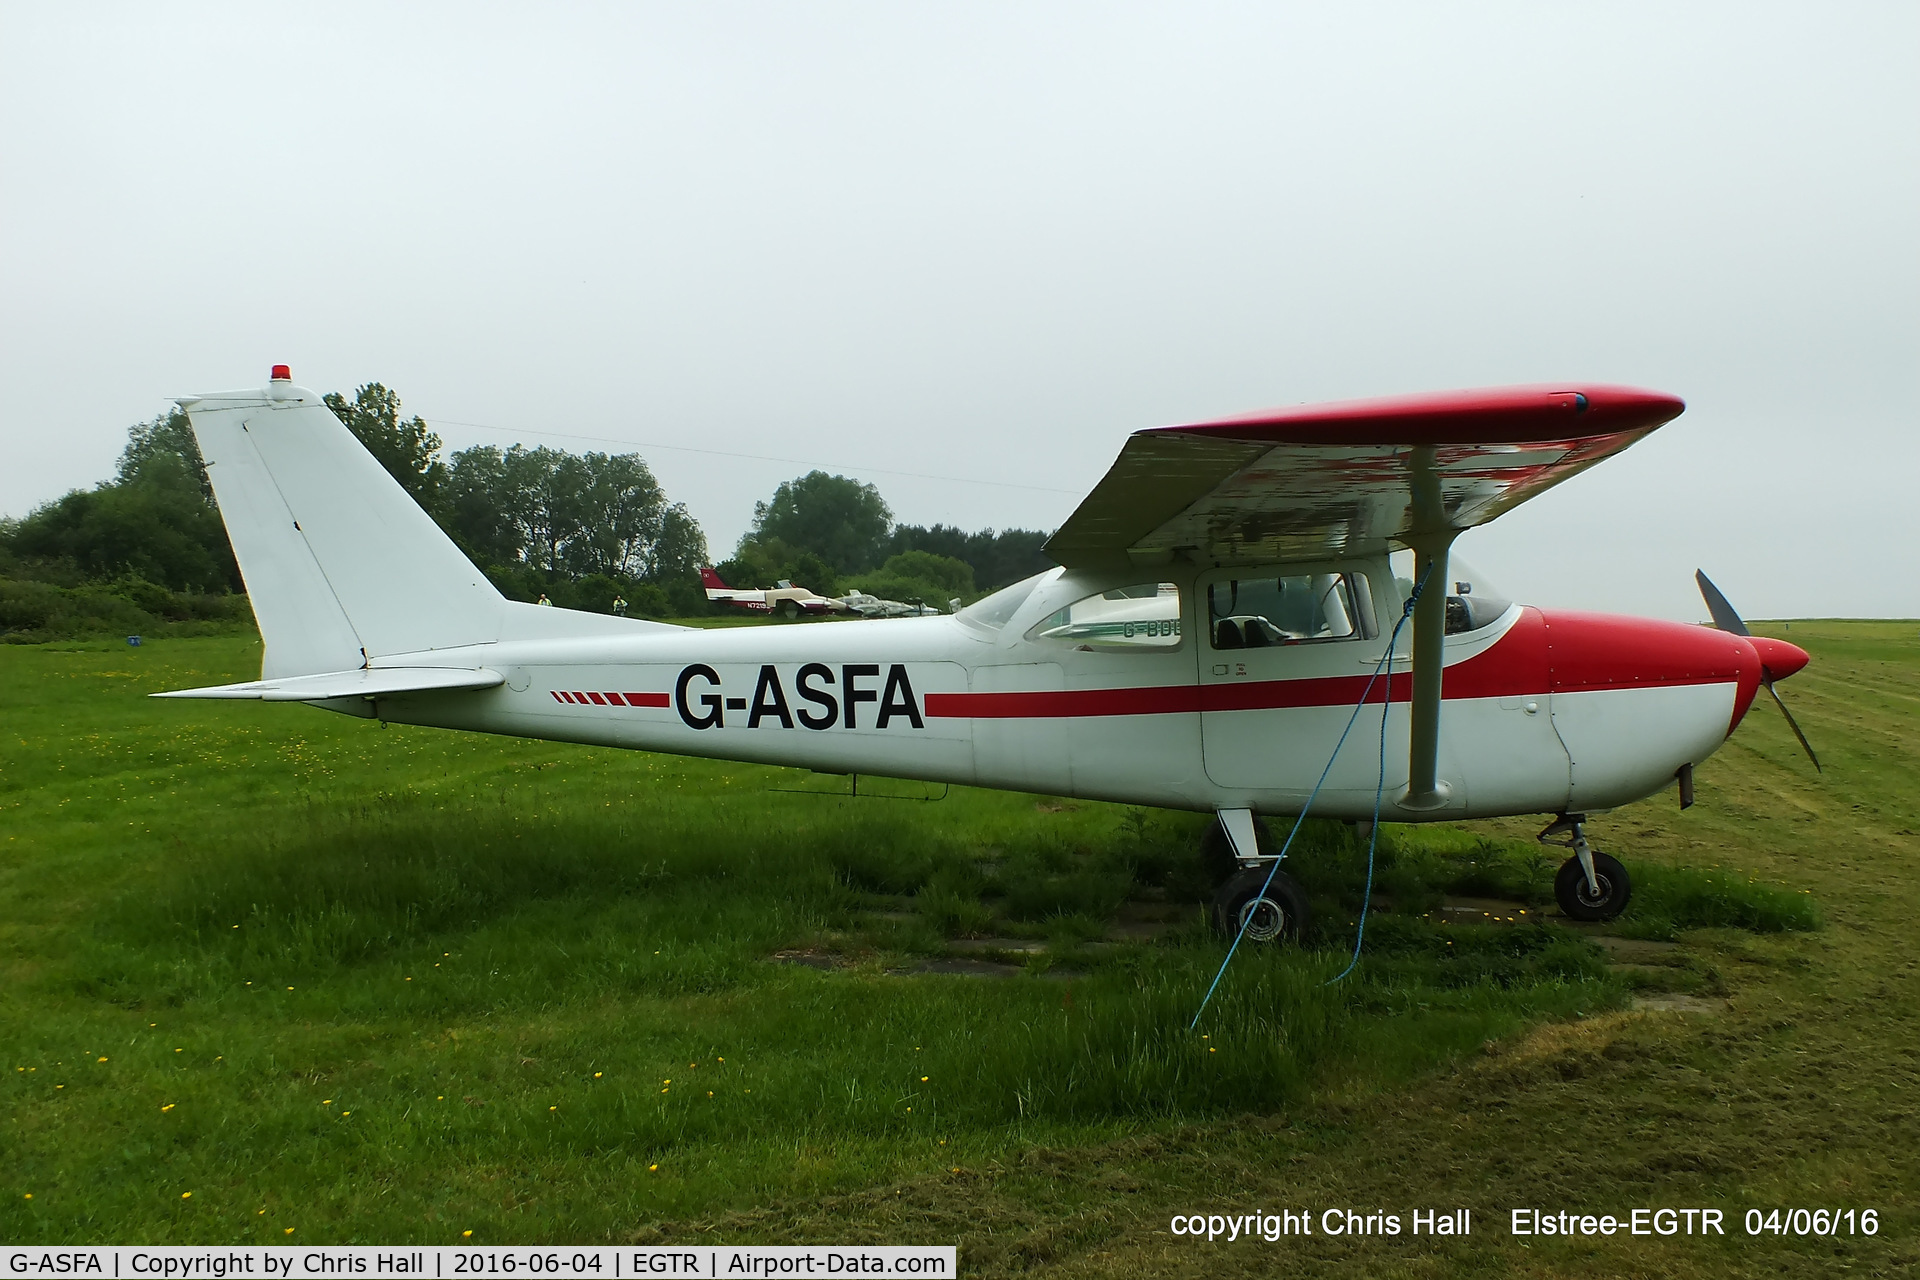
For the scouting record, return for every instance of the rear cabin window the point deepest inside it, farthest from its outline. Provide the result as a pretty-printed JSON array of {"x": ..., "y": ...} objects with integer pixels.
[
  {"x": 1143, "y": 616},
  {"x": 1308, "y": 608}
]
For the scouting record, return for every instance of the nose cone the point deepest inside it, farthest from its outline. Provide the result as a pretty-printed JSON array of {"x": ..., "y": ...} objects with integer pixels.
[{"x": 1778, "y": 657}]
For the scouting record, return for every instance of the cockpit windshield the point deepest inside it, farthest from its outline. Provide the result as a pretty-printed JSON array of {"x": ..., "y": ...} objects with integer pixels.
[{"x": 992, "y": 612}]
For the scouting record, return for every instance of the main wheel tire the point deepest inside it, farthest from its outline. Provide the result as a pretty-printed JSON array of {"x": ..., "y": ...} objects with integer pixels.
[
  {"x": 1217, "y": 857},
  {"x": 1269, "y": 910},
  {"x": 1579, "y": 902},
  {"x": 790, "y": 609}
]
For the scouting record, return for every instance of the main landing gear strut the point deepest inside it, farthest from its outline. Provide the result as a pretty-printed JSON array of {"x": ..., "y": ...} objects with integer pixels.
[
  {"x": 1253, "y": 899},
  {"x": 1590, "y": 885}
]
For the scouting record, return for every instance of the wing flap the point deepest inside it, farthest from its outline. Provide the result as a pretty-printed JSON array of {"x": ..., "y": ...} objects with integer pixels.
[
  {"x": 360, "y": 683},
  {"x": 1353, "y": 478}
]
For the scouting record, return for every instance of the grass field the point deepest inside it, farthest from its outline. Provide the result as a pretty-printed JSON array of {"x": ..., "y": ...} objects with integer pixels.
[{"x": 346, "y": 983}]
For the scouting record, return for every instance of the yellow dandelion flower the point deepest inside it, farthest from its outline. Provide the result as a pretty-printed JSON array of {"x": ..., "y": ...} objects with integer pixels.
[
  {"x": 260, "y": 1213},
  {"x": 326, "y": 1102},
  {"x": 652, "y": 1168},
  {"x": 168, "y": 1107},
  {"x": 553, "y": 1108},
  {"x": 923, "y": 1079},
  {"x": 29, "y": 1195},
  {"x": 345, "y": 1114},
  {"x": 465, "y": 1234},
  {"x": 289, "y": 1231},
  {"x": 709, "y": 1093},
  {"x": 102, "y": 1059},
  {"x": 186, "y": 1195},
  {"x": 596, "y": 1075}
]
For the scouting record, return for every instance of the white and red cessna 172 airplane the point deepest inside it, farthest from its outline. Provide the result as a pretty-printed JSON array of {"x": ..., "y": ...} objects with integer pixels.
[{"x": 1222, "y": 598}]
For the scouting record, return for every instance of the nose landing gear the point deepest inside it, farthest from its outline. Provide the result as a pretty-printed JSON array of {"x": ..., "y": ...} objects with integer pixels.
[{"x": 1590, "y": 885}]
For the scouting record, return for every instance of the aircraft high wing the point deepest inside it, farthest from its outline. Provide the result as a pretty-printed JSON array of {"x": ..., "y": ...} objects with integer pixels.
[{"x": 1223, "y": 595}]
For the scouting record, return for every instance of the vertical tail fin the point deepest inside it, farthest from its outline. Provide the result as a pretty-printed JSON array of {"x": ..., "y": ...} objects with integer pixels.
[
  {"x": 711, "y": 581},
  {"x": 341, "y": 564}
]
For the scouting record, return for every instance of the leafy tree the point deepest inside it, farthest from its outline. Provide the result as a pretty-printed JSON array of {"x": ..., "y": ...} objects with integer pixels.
[
  {"x": 843, "y": 521},
  {"x": 617, "y": 514},
  {"x": 155, "y": 521},
  {"x": 543, "y": 491},
  {"x": 476, "y": 508},
  {"x": 762, "y": 564},
  {"x": 920, "y": 577},
  {"x": 681, "y": 548},
  {"x": 945, "y": 573},
  {"x": 997, "y": 558},
  {"x": 406, "y": 448},
  {"x": 561, "y": 516},
  {"x": 165, "y": 442},
  {"x": 160, "y": 530}
]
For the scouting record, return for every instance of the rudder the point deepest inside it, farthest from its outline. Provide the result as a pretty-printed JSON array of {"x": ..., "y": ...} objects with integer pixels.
[{"x": 341, "y": 564}]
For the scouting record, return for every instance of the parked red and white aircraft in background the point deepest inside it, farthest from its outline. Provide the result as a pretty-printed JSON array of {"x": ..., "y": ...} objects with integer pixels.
[
  {"x": 784, "y": 597},
  {"x": 1222, "y": 596}
]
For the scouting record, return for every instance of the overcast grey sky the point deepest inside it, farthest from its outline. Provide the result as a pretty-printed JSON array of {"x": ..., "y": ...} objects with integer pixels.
[{"x": 984, "y": 241}]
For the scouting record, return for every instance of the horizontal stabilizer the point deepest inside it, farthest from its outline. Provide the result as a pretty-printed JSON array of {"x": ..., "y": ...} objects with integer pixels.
[{"x": 361, "y": 683}]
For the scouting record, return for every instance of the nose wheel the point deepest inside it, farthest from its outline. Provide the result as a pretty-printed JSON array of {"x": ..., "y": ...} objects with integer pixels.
[{"x": 1590, "y": 885}]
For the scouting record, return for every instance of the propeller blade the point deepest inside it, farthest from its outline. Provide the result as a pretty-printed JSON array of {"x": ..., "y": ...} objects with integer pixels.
[
  {"x": 1793, "y": 724},
  {"x": 1724, "y": 615}
]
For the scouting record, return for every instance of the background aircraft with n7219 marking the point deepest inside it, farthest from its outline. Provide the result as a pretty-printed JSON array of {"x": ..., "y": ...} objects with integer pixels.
[{"x": 1224, "y": 599}]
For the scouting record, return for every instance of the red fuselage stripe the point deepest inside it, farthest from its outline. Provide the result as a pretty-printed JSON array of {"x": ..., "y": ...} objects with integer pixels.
[{"x": 1540, "y": 653}]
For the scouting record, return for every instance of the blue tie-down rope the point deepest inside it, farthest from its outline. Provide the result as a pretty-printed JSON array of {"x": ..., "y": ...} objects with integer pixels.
[{"x": 1379, "y": 790}]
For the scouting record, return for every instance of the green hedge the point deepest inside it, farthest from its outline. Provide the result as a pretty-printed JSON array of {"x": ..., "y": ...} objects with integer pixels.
[{"x": 32, "y": 612}]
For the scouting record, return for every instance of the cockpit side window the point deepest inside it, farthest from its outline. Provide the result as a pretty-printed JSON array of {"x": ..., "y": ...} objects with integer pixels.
[
  {"x": 1308, "y": 608},
  {"x": 1123, "y": 619}
]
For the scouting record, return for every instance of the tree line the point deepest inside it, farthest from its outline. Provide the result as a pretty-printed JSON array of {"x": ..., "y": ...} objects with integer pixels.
[{"x": 584, "y": 529}]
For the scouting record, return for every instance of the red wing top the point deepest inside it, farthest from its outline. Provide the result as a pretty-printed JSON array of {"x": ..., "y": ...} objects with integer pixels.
[{"x": 1350, "y": 478}]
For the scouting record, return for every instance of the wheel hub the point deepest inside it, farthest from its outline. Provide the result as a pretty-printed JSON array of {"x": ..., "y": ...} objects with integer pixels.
[
  {"x": 1262, "y": 920},
  {"x": 1589, "y": 897}
]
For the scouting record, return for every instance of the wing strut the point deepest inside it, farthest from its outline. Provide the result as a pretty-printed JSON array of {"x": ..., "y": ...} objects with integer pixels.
[{"x": 1431, "y": 538}]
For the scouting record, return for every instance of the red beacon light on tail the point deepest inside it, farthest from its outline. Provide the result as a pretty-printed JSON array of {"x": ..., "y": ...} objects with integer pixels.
[{"x": 282, "y": 373}]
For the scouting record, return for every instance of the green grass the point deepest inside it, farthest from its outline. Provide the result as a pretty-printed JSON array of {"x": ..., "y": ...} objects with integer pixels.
[{"x": 392, "y": 985}]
